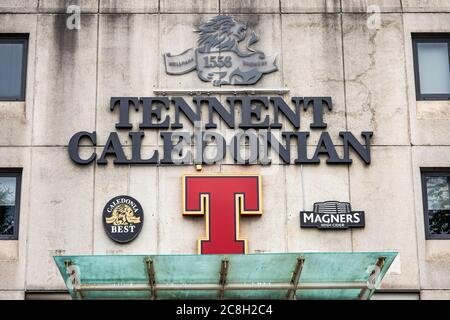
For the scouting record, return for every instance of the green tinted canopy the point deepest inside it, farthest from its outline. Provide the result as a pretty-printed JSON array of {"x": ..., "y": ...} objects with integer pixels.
[{"x": 311, "y": 275}]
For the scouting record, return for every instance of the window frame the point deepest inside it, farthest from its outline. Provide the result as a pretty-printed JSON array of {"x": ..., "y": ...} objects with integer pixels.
[
  {"x": 423, "y": 38},
  {"x": 17, "y": 173},
  {"x": 23, "y": 39},
  {"x": 431, "y": 172}
]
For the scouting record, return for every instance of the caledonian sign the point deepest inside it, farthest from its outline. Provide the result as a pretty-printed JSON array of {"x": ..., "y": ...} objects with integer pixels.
[{"x": 258, "y": 132}]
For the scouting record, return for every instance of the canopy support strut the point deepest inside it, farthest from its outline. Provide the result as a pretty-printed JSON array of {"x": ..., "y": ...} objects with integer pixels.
[
  {"x": 74, "y": 277},
  {"x": 295, "y": 278},
  {"x": 151, "y": 278},
  {"x": 372, "y": 280},
  {"x": 223, "y": 277}
]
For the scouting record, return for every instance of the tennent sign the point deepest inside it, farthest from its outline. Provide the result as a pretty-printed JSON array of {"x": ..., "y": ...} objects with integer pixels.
[
  {"x": 222, "y": 199},
  {"x": 206, "y": 145}
]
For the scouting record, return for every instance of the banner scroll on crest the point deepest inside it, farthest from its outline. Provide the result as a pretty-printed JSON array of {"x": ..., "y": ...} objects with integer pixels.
[{"x": 224, "y": 67}]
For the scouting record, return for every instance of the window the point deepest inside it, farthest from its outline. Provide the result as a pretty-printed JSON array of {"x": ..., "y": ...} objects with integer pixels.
[
  {"x": 436, "y": 203},
  {"x": 10, "y": 181},
  {"x": 431, "y": 65},
  {"x": 13, "y": 62}
]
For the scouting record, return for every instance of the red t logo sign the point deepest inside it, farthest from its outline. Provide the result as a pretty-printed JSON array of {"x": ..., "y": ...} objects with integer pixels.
[{"x": 222, "y": 198}]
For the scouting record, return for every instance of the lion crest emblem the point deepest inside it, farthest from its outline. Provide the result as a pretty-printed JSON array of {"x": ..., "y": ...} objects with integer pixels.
[
  {"x": 218, "y": 58},
  {"x": 123, "y": 215}
]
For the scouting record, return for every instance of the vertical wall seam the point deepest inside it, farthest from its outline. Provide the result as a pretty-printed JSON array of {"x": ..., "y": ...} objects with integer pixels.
[
  {"x": 406, "y": 83},
  {"x": 31, "y": 153},
  {"x": 415, "y": 213},
  {"x": 414, "y": 191},
  {"x": 283, "y": 83},
  {"x": 158, "y": 81},
  {"x": 95, "y": 124},
  {"x": 286, "y": 213},
  {"x": 344, "y": 82},
  {"x": 157, "y": 213},
  {"x": 302, "y": 185},
  {"x": 345, "y": 111}
]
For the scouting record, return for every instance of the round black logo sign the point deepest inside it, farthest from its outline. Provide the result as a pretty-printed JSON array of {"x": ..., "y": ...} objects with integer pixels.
[{"x": 123, "y": 218}]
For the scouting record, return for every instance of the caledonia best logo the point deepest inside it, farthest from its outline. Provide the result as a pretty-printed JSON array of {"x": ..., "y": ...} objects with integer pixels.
[{"x": 123, "y": 218}]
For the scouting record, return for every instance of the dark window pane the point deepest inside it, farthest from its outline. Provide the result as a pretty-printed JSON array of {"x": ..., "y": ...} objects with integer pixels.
[
  {"x": 7, "y": 205},
  {"x": 434, "y": 68},
  {"x": 11, "y": 69},
  {"x": 7, "y": 220},
  {"x": 439, "y": 221},
  {"x": 438, "y": 197}
]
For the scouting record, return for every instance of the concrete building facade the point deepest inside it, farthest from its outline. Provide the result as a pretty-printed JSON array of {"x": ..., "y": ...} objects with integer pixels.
[{"x": 359, "y": 52}]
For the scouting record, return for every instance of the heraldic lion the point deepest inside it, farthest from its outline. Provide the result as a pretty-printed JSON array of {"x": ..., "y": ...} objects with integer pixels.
[
  {"x": 221, "y": 33},
  {"x": 123, "y": 215}
]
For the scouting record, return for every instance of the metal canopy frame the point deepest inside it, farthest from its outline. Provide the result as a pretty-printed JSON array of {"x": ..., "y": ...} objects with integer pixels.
[{"x": 366, "y": 288}]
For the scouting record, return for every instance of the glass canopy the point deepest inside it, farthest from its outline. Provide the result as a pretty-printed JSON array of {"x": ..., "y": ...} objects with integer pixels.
[{"x": 310, "y": 275}]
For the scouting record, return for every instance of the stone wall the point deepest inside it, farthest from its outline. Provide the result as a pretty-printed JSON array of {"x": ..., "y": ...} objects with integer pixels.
[{"x": 325, "y": 49}]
